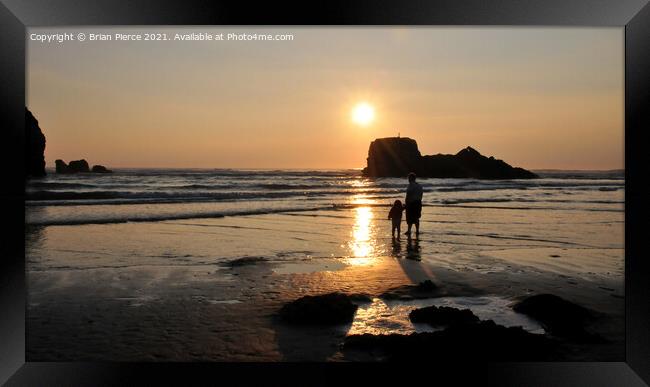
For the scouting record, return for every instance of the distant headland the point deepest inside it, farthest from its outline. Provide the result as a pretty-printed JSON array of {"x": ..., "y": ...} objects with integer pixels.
[{"x": 397, "y": 156}]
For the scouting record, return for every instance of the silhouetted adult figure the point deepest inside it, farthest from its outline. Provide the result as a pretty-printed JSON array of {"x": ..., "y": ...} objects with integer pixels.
[{"x": 413, "y": 204}]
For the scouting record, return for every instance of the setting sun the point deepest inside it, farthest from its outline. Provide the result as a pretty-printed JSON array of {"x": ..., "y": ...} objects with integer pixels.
[{"x": 363, "y": 114}]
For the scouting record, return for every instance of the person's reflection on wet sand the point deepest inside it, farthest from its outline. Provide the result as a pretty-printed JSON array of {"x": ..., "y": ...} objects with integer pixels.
[
  {"x": 397, "y": 248},
  {"x": 413, "y": 249}
]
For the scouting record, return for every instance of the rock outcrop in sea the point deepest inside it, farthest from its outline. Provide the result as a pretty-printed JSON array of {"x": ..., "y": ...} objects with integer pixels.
[
  {"x": 74, "y": 166},
  {"x": 397, "y": 156},
  {"x": 79, "y": 166},
  {"x": 35, "y": 144},
  {"x": 100, "y": 169}
]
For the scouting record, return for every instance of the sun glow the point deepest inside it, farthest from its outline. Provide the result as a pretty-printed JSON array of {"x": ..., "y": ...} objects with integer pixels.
[{"x": 363, "y": 114}]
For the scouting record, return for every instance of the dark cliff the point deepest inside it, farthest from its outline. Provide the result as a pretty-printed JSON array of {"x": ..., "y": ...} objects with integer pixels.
[
  {"x": 35, "y": 147},
  {"x": 397, "y": 156}
]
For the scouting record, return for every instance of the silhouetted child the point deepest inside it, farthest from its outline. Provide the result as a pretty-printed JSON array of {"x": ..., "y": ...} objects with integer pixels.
[{"x": 395, "y": 215}]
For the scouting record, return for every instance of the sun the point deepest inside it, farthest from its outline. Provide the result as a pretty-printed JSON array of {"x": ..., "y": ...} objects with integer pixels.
[{"x": 363, "y": 114}]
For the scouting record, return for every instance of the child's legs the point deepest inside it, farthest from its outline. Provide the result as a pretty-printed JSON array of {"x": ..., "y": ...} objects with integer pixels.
[{"x": 396, "y": 224}]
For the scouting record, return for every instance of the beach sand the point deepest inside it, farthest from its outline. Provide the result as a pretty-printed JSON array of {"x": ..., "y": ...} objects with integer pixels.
[{"x": 210, "y": 289}]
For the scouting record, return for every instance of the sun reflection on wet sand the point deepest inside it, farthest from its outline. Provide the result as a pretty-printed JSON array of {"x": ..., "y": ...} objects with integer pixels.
[{"x": 362, "y": 245}]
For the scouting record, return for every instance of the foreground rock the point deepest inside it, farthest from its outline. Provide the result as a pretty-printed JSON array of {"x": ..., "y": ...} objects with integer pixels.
[
  {"x": 558, "y": 316},
  {"x": 443, "y": 316},
  {"x": 397, "y": 156},
  {"x": 484, "y": 340},
  {"x": 35, "y": 144},
  {"x": 326, "y": 309}
]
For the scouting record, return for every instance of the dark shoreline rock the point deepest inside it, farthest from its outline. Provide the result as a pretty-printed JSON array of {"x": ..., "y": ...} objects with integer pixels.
[
  {"x": 397, "y": 156},
  {"x": 442, "y": 316},
  {"x": 35, "y": 144},
  {"x": 558, "y": 316},
  {"x": 484, "y": 341},
  {"x": 325, "y": 309},
  {"x": 360, "y": 298}
]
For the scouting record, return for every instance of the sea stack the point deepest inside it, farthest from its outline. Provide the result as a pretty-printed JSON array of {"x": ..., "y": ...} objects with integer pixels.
[
  {"x": 74, "y": 166},
  {"x": 397, "y": 156},
  {"x": 100, "y": 169},
  {"x": 79, "y": 166},
  {"x": 35, "y": 144}
]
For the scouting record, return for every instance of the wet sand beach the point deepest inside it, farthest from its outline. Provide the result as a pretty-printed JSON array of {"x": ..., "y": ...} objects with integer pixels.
[{"x": 211, "y": 289}]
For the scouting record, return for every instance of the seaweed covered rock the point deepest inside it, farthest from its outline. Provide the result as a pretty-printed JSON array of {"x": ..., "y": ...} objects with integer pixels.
[
  {"x": 326, "y": 309},
  {"x": 442, "y": 315},
  {"x": 558, "y": 316}
]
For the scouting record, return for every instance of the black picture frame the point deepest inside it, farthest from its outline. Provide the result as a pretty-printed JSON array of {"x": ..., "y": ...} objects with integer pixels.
[{"x": 16, "y": 15}]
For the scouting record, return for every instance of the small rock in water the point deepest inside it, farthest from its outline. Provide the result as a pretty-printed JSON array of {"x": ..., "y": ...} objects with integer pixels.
[
  {"x": 425, "y": 289},
  {"x": 244, "y": 261}
]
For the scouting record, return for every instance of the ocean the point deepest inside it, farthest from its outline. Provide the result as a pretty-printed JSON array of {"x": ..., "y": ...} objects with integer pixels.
[{"x": 163, "y": 194}]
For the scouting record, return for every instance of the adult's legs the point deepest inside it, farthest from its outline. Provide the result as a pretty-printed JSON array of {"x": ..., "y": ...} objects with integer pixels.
[{"x": 418, "y": 214}]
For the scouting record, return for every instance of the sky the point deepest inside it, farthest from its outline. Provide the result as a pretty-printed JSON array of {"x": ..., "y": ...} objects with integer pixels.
[{"x": 537, "y": 98}]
